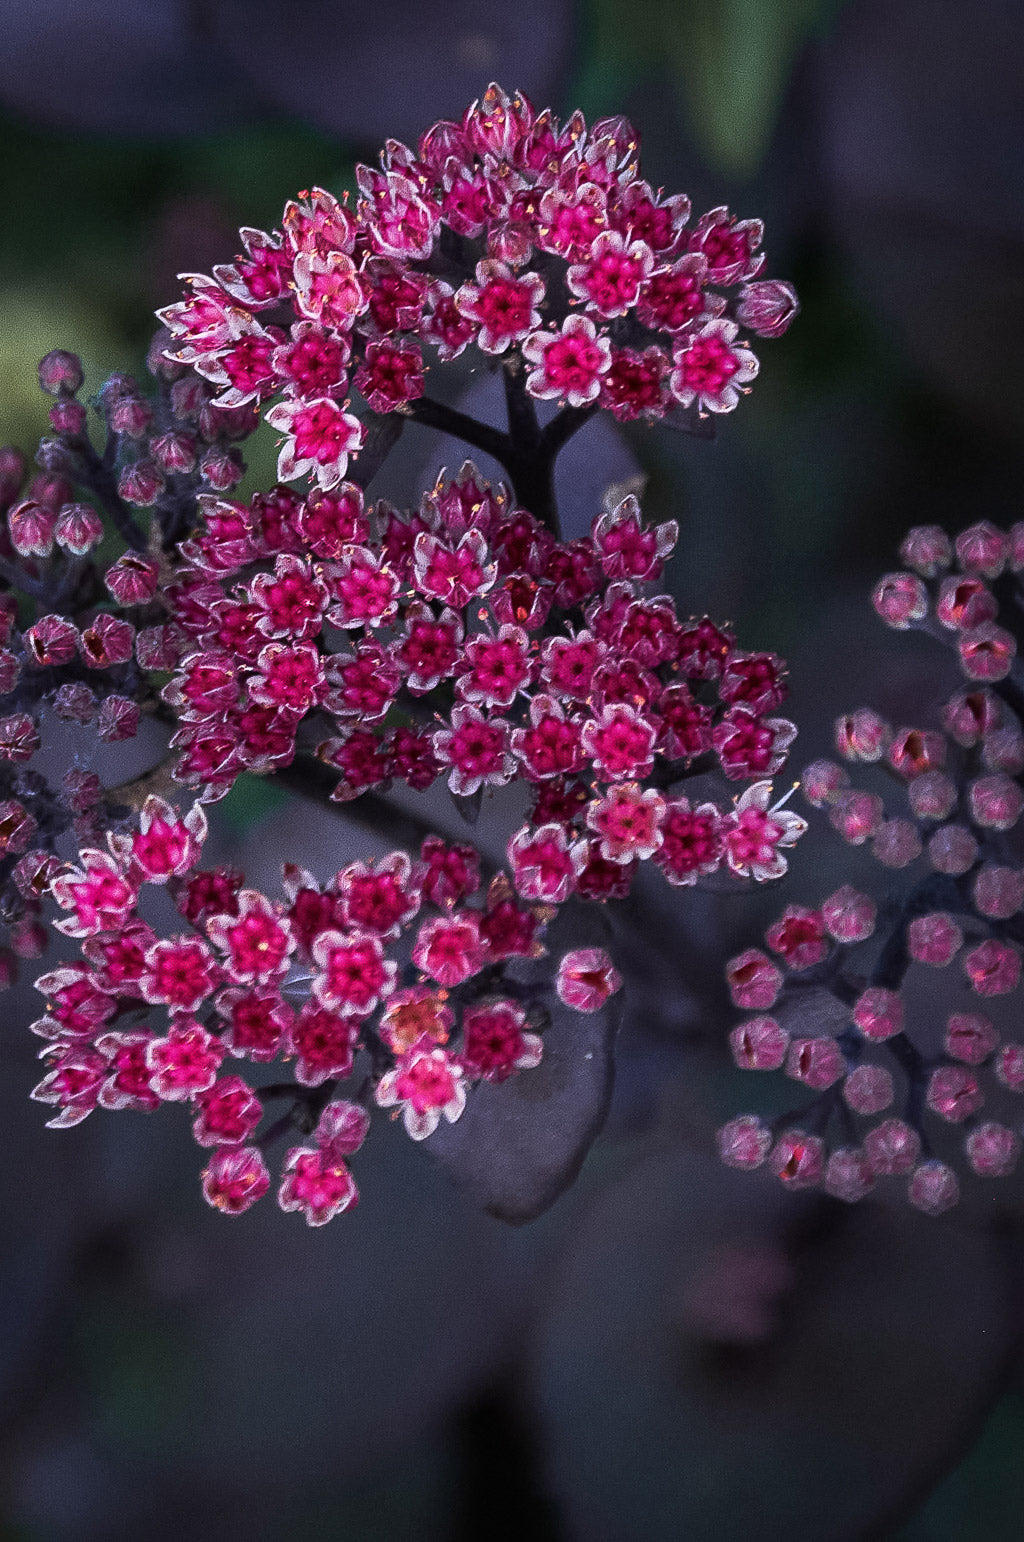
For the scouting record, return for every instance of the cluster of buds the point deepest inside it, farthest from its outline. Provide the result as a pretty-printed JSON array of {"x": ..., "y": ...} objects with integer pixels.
[
  {"x": 319, "y": 636},
  {"x": 535, "y": 242},
  {"x": 851, "y": 962},
  {"x": 391, "y": 964}
]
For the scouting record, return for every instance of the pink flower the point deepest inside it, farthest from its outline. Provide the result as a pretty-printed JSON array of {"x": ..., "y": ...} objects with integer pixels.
[
  {"x": 98, "y": 894},
  {"x": 227, "y": 1113},
  {"x": 365, "y": 589},
  {"x": 567, "y": 364},
  {"x": 477, "y": 750},
  {"x": 256, "y": 939},
  {"x": 324, "y": 1044},
  {"x": 551, "y": 746},
  {"x": 754, "y": 832},
  {"x": 180, "y": 973},
  {"x": 545, "y": 865},
  {"x": 711, "y": 369},
  {"x": 611, "y": 276},
  {"x": 235, "y": 1178},
  {"x": 503, "y": 306},
  {"x": 185, "y": 1062},
  {"x": 317, "y": 1183},
  {"x": 691, "y": 841},
  {"x": 425, "y": 1084},
  {"x": 628, "y": 822},
  {"x": 586, "y": 979},
  {"x": 257, "y": 1021},
  {"x": 452, "y": 574},
  {"x": 353, "y": 973},
  {"x": 449, "y": 947},
  {"x": 167, "y": 846},
  {"x": 620, "y": 741},
  {"x": 320, "y": 438},
  {"x": 496, "y": 668},
  {"x": 495, "y": 1043},
  {"x": 626, "y": 548}
]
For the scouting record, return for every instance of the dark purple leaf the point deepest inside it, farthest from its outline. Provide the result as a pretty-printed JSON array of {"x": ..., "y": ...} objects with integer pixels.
[
  {"x": 519, "y": 1145},
  {"x": 718, "y": 1349}
]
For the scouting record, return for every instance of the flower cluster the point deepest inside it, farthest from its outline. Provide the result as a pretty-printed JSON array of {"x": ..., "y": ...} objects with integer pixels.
[
  {"x": 320, "y": 636},
  {"x": 852, "y": 963},
  {"x": 464, "y": 641},
  {"x": 535, "y": 242},
  {"x": 391, "y": 961}
]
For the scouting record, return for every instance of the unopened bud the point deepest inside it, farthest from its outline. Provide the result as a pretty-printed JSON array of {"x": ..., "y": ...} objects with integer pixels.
[{"x": 61, "y": 373}]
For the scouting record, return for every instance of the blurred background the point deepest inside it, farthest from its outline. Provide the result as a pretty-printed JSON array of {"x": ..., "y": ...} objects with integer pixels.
[{"x": 671, "y": 1351}]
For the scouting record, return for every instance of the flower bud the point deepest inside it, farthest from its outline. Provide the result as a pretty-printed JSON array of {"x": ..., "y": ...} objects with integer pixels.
[
  {"x": 987, "y": 652},
  {"x": 999, "y": 892},
  {"x": 188, "y": 396},
  {"x": 982, "y": 549},
  {"x": 953, "y": 1093},
  {"x": 970, "y": 715},
  {"x": 934, "y": 939},
  {"x": 759, "y": 1044},
  {"x": 78, "y": 528},
  {"x": 856, "y": 815},
  {"x": 964, "y": 603},
  {"x": 68, "y": 418},
  {"x": 932, "y": 795},
  {"x": 878, "y": 1013},
  {"x": 914, "y": 751},
  {"x": 222, "y": 469},
  {"x": 868, "y": 1089},
  {"x": 849, "y": 916},
  {"x": 952, "y": 850},
  {"x": 52, "y": 640},
  {"x": 1010, "y": 1067},
  {"x": 12, "y": 472},
  {"x": 896, "y": 843},
  {"x": 970, "y": 1037},
  {"x": 818, "y": 1063},
  {"x": 129, "y": 415},
  {"x": 1003, "y": 750},
  {"x": 821, "y": 780},
  {"x": 993, "y": 968},
  {"x": 933, "y": 1188},
  {"x": 75, "y": 703},
  {"x": 797, "y": 1159},
  {"x": 118, "y": 719},
  {"x": 174, "y": 453},
  {"x": 862, "y": 735},
  {"x": 848, "y": 1175},
  {"x": 744, "y": 1142},
  {"x": 19, "y": 737},
  {"x": 767, "y": 308},
  {"x": 141, "y": 484},
  {"x": 31, "y": 528},
  {"x": 996, "y": 802},
  {"x": 992, "y": 1150},
  {"x": 892, "y": 1147},
  {"x": 927, "y": 550},
  {"x": 50, "y": 488},
  {"x": 61, "y": 373},
  {"x": 754, "y": 981},
  {"x": 900, "y": 599}
]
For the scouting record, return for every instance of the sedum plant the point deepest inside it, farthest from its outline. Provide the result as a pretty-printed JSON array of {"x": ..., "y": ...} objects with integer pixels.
[{"x": 319, "y": 636}]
